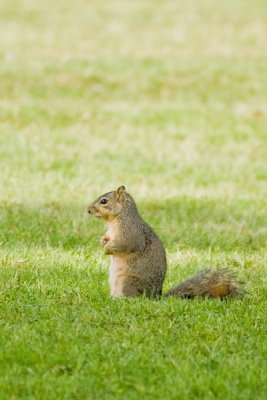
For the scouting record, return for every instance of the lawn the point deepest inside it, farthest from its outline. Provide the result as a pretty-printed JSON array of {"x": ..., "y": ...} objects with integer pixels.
[{"x": 169, "y": 99}]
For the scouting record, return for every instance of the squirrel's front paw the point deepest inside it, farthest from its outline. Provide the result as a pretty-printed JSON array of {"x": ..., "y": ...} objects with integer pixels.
[
  {"x": 104, "y": 240},
  {"x": 107, "y": 250}
]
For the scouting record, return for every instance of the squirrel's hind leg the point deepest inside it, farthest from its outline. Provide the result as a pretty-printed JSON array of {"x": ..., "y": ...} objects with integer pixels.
[{"x": 132, "y": 287}]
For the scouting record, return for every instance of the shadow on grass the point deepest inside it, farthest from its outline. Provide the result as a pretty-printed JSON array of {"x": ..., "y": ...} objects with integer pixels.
[{"x": 183, "y": 222}]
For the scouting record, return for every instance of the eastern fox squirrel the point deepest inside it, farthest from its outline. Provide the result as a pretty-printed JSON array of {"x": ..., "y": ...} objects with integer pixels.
[{"x": 138, "y": 260}]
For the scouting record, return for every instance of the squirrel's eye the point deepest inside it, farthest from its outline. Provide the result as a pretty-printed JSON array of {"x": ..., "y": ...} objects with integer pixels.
[{"x": 103, "y": 201}]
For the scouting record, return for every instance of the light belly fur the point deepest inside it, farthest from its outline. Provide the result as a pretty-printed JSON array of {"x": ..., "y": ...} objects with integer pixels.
[{"x": 118, "y": 272}]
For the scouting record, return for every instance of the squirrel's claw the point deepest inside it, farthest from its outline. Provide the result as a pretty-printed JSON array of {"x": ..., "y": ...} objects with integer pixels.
[{"x": 104, "y": 240}]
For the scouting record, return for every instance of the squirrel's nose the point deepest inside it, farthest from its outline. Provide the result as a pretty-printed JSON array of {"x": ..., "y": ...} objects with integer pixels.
[{"x": 89, "y": 210}]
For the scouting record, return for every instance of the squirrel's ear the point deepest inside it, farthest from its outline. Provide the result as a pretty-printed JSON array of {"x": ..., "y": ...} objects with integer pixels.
[{"x": 120, "y": 192}]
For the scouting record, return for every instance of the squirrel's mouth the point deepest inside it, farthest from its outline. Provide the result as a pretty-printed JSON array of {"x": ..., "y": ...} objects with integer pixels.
[
  {"x": 93, "y": 211},
  {"x": 95, "y": 214}
]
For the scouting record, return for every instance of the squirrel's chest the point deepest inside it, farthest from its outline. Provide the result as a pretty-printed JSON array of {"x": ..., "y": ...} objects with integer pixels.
[
  {"x": 112, "y": 231},
  {"x": 118, "y": 272}
]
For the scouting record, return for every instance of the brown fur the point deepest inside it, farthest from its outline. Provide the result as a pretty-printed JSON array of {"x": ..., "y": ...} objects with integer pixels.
[{"x": 138, "y": 260}]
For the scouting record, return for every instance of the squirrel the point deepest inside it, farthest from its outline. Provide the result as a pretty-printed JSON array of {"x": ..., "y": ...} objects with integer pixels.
[{"x": 138, "y": 259}]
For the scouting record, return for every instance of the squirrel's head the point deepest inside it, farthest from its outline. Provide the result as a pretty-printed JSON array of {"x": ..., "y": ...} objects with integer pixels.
[{"x": 110, "y": 204}]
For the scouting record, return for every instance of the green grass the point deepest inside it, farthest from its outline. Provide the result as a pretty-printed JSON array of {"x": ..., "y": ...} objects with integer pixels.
[{"x": 168, "y": 98}]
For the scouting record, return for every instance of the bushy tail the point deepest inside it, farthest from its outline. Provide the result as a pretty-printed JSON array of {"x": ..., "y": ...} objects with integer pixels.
[{"x": 220, "y": 283}]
